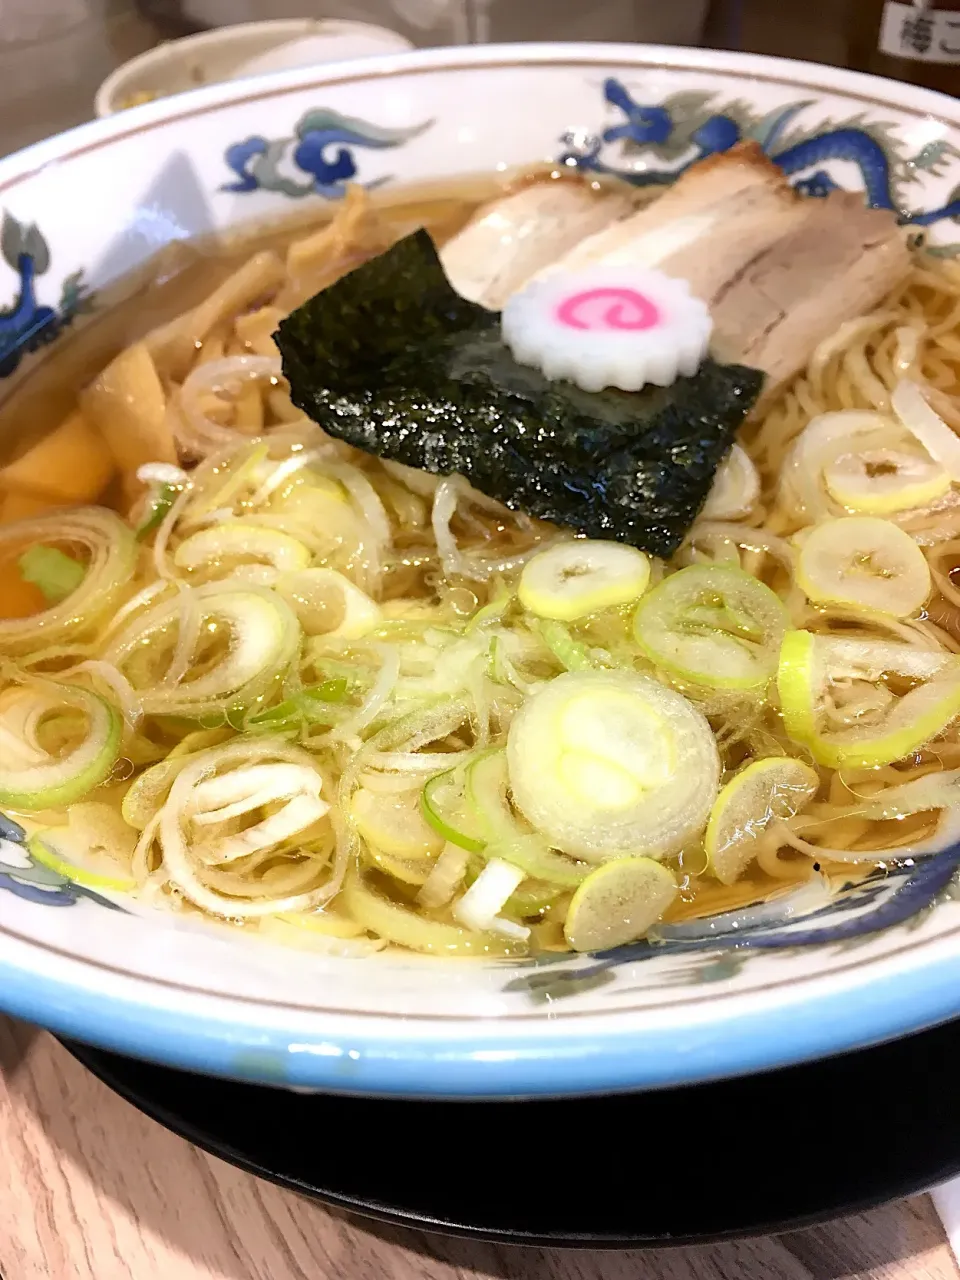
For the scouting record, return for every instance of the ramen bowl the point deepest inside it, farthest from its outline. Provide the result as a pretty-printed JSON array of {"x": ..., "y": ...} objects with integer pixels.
[{"x": 807, "y": 974}]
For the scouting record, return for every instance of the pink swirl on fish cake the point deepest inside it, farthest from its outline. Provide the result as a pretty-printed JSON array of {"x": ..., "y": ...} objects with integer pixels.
[{"x": 611, "y": 307}]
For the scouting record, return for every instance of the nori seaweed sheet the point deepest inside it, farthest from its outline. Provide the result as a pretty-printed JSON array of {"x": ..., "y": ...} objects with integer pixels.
[{"x": 392, "y": 360}]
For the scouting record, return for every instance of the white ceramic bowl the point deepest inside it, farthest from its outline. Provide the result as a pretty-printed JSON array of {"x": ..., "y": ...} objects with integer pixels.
[
  {"x": 810, "y": 978},
  {"x": 231, "y": 53}
]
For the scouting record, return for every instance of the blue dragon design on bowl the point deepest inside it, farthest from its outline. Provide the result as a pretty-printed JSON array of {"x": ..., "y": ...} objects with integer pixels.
[
  {"x": 322, "y": 147},
  {"x": 26, "y": 324},
  {"x": 688, "y": 127},
  {"x": 717, "y": 946},
  {"x": 23, "y": 876}
]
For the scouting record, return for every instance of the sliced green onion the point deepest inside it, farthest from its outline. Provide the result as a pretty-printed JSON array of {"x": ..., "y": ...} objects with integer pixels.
[
  {"x": 445, "y": 808},
  {"x": 221, "y": 546},
  {"x": 444, "y": 669},
  {"x": 485, "y": 783},
  {"x": 618, "y": 903},
  {"x": 880, "y": 482},
  {"x": 408, "y": 929},
  {"x": 491, "y": 612},
  {"x": 411, "y": 730},
  {"x": 535, "y": 858},
  {"x": 53, "y": 571},
  {"x": 480, "y": 906},
  {"x": 263, "y": 639},
  {"x": 813, "y": 667},
  {"x": 865, "y": 562},
  {"x": 569, "y": 653},
  {"x": 33, "y": 778},
  {"x": 572, "y": 579},
  {"x": 446, "y": 876},
  {"x": 610, "y": 763},
  {"x": 481, "y": 805},
  {"x": 735, "y": 488},
  {"x": 329, "y": 604},
  {"x": 393, "y": 823},
  {"x": 501, "y": 668},
  {"x": 200, "y": 740},
  {"x": 921, "y": 420},
  {"x": 409, "y": 871},
  {"x": 356, "y": 676},
  {"x": 43, "y": 849},
  {"x": 202, "y": 825},
  {"x": 110, "y": 562},
  {"x": 532, "y": 898},
  {"x": 765, "y": 790},
  {"x": 160, "y": 502},
  {"x": 257, "y": 788},
  {"x": 146, "y": 794},
  {"x": 824, "y": 440},
  {"x": 467, "y": 805},
  {"x": 317, "y": 704},
  {"x": 712, "y": 625},
  {"x": 219, "y": 481}
]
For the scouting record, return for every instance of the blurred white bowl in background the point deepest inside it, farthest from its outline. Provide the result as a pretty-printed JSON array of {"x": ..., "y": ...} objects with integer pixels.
[{"x": 231, "y": 53}]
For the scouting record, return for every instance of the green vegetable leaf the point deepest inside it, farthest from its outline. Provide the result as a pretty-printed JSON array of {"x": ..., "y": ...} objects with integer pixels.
[
  {"x": 315, "y": 705},
  {"x": 569, "y": 652},
  {"x": 391, "y": 359},
  {"x": 160, "y": 503},
  {"x": 53, "y": 571}
]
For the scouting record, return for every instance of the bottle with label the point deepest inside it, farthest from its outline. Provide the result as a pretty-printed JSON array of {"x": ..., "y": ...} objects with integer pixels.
[{"x": 917, "y": 42}]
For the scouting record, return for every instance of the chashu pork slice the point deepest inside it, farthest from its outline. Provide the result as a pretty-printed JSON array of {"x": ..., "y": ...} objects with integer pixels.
[
  {"x": 713, "y": 218},
  {"x": 839, "y": 263},
  {"x": 509, "y": 240},
  {"x": 780, "y": 272}
]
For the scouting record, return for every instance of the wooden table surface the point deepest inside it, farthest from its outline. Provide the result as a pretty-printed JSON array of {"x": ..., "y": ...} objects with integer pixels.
[{"x": 92, "y": 1190}]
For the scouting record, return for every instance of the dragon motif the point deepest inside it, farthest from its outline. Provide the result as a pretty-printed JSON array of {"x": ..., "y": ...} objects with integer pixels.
[
  {"x": 716, "y": 949},
  {"x": 23, "y": 876},
  {"x": 719, "y": 947},
  {"x": 684, "y": 129},
  {"x": 322, "y": 147},
  {"x": 26, "y": 325}
]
